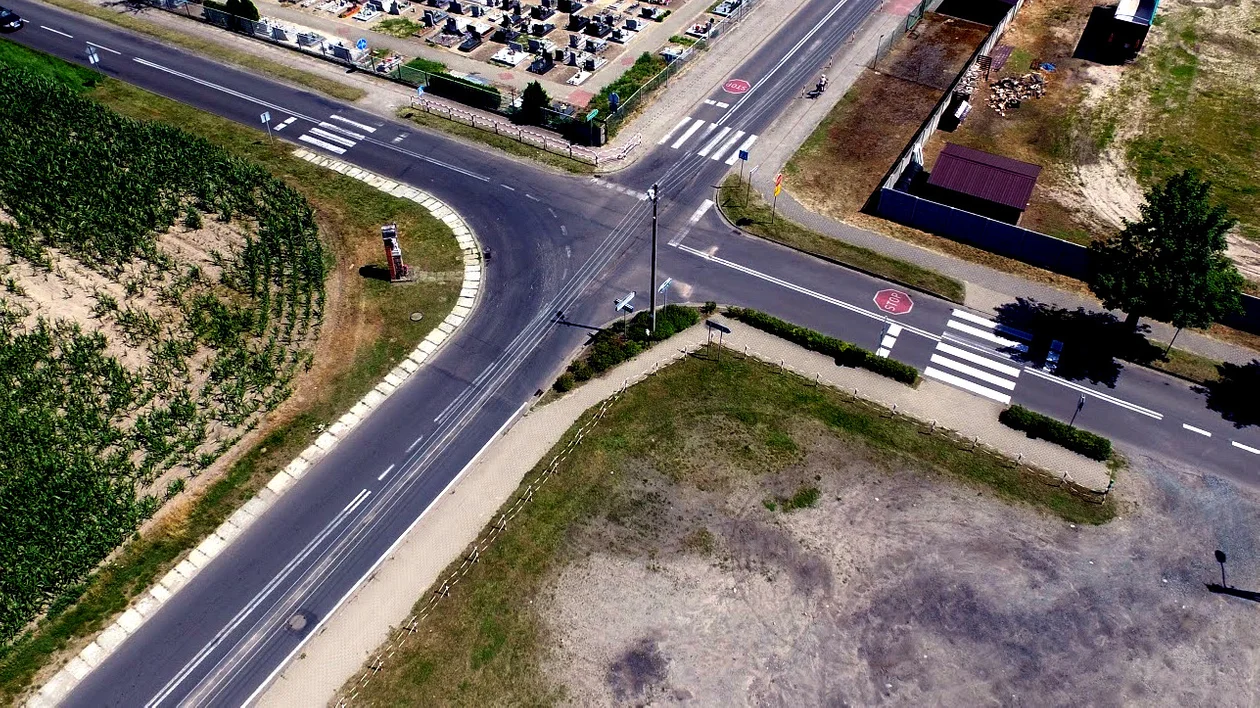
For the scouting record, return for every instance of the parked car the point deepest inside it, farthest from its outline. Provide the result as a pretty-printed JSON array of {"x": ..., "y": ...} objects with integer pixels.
[{"x": 9, "y": 20}]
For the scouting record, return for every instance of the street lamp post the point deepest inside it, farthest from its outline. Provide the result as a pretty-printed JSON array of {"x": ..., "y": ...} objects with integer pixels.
[{"x": 654, "y": 194}]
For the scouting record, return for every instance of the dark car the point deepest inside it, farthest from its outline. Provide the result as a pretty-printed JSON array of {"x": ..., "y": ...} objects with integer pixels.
[{"x": 9, "y": 20}]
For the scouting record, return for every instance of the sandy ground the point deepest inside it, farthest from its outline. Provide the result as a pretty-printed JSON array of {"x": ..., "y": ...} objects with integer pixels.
[{"x": 902, "y": 588}]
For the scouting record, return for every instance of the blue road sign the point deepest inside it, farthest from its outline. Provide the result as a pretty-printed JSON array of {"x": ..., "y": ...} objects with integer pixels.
[
  {"x": 743, "y": 155},
  {"x": 361, "y": 44}
]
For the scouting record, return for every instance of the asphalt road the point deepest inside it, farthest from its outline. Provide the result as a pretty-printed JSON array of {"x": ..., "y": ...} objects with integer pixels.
[{"x": 560, "y": 243}]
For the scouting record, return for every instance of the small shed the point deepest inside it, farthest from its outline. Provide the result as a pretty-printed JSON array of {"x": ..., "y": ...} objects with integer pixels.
[{"x": 981, "y": 182}]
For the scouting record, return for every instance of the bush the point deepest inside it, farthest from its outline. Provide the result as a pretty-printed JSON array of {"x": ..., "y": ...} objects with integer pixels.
[
  {"x": 709, "y": 307},
  {"x": 643, "y": 69},
  {"x": 565, "y": 383},
  {"x": 192, "y": 218},
  {"x": 612, "y": 346},
  {"x": 1036, "y": 425},
  {"x": 845, "y": 354}
]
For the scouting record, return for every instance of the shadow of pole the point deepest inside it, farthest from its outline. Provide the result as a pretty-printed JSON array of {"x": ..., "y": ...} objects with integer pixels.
[{"x": 1235, "y": 592}]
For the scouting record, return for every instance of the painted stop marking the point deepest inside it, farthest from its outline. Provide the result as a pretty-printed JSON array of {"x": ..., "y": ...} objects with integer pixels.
[
  {"x": 893, "y": 302},
  {"x": 736, "y": 86}
]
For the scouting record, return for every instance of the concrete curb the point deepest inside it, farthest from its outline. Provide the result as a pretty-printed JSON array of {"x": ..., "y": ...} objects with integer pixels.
[{"x": 129, "y": 622}]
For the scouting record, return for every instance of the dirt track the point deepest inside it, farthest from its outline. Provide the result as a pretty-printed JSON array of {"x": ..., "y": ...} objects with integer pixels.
[{"x": 905, "y": 588}]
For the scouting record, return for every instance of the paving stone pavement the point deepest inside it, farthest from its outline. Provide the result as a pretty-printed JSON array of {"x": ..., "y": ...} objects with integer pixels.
[{"x": 369, "y": 624}]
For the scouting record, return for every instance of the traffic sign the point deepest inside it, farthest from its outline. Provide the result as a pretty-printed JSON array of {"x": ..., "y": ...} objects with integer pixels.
[
  {"x": 743, "y": 155},
  {"x": 736, "y": 86},
  {"x": 93, "y": 57},
  {"x": 623, "y": 305},
  {"x": 718, "y": 326},
  {"x": 778, "y": 184},
  {"x": 591, "y": 116},
  {"x": 665, "y": 285},
  {"x": 893, "y": 302},
  {"x": 361, "y": 44},
  {"x": 264, "y": 117}
]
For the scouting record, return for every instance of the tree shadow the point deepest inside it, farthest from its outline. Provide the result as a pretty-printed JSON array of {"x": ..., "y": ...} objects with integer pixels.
[
  {"x": 1235, "y": 394},
  {"x": 1093, "y": 342},
  {"x": 374, "y": 272}
]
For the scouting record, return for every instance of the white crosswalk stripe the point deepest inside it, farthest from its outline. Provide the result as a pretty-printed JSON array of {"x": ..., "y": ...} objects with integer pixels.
[
  {"x": 333, "y": 137},
  {"x": 705, "y": 138},
  {"x": 972, "y": 371}
]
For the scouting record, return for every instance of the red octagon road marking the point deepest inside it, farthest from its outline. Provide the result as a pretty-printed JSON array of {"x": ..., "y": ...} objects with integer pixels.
[
  {"x": 894, "y": 302},
  {"x": 736, "y": 86}
]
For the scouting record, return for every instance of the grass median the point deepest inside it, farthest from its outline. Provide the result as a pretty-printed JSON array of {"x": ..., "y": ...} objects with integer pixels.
[
  {"x": 367, "y": 332},
  {"x": 213, "y": 49},
  {"x": 494, "y": 140},
  {"x": 698, "y": 427},
  {"x": 751, "y": 213}
]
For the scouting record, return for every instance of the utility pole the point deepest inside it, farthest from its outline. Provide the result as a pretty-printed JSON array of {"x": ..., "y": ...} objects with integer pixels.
[{"x": 654, "y": 194}]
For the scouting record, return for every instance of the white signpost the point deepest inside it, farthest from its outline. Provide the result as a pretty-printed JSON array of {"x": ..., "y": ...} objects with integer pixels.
[
  {"x": 93, "y": 57},
  {"x": 266, "y": 120}
]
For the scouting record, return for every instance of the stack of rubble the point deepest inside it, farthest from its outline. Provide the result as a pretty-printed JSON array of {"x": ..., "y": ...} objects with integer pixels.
[
  {"x": 1007, "y": 93},
  {"x": 967, "y": 84}
]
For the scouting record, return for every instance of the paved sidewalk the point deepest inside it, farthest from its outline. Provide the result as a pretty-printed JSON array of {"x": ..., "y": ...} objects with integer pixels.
[
  {"x": 987, "y": 288},
  {"x": 366, "y": 626}
]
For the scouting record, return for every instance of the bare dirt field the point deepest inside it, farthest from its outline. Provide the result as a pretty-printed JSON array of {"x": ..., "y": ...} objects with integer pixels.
[
  {"x": 720, "y": 540},
  {"x": 842, "y": 162}
]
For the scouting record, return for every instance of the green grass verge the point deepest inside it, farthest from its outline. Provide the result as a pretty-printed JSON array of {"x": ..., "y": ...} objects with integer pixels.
[
  {"x": 400, "y": 27},
  {"x": 754, "y": 216},
  {"x": 350, "y": 213},
  {"x": 1187, "y": 365},
  {"x": 17, "y": 56},
  {"x": 499, "y": 142},
  {"x": 486, "y": 643},
  {"x": 214, "y": 50}
]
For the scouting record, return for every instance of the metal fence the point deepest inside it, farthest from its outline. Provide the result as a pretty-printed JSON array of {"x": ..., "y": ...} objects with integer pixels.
[{"x": 887, "y": 41}]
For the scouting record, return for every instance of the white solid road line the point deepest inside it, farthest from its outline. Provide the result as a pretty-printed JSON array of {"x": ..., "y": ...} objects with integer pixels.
[
  {"x": 973, "y": 372},
  {"x": 966, "y": 385},
  {"x": 977, "y": 359},
  {"x": 1248, "y": 448},
  {"x": 415, "y": 442},
  {"x": 50, "y": 29},
  {"x": 727, "y": 145},
  {"x": 673, "y": 130},
  {"x": 356, "y": 124},
  {"x": 101, "y": 46},
  {"x": 1193, "y": 429},
  {"x": 747, "y": 144},
  {"x": 339, "y": 139},
  {"x": 1100, "y": 396},
  {"x": 983, "y": 334},
  {"x": 283, "y": 109},
  {"x": 687, "y": 134},
  {"x": 717, "y": 139},
  {"x": 388, "y": 552},
  {"x": 343, "y": 131},
  {"x": 241, "y": 615},
  {"x": 323, "y": 145},
  {"x": 387, "y": 471}
]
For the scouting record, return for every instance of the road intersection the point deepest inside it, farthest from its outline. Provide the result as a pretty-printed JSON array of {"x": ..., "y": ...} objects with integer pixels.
[{"x": 561, "y": 244}]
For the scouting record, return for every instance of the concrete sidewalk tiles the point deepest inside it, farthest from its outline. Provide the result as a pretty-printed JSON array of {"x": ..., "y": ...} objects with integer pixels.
[
  {"x": 376, "y": 620},
  {"x": 91, "y": 656}
]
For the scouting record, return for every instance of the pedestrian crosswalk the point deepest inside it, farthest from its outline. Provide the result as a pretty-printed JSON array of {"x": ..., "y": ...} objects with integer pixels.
[
  {"x": 708, "y": 139},
  {"x": 336, "y": 137},
  {"x": 958, "y": 360}
]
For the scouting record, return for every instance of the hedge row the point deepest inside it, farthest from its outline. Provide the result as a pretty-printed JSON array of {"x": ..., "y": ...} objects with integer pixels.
[
  {"x": 464, "y": 91},
  {"x": 612, "y": 346},
  {"x": 845, "y": 354},
  {"x": 1036, "y": 425}
]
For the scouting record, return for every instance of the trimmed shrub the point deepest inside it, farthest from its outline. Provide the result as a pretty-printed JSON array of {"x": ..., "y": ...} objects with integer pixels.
[
  {"x": 464, "y": 91},
  {"x": 564, "y": 383},
  {"x": 1036, "y": 425},
  {"x": 845, "y": 354},
  {"x": 612, "y": 346}
]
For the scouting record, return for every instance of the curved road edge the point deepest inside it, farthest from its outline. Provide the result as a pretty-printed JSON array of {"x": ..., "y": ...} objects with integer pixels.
[{"x": 148, "y": 603}]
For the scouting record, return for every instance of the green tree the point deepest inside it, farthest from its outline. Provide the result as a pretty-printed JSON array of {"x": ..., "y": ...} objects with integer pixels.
[
  {"x": 1170, "y": 265},
  {"x": 534, "y": 100},
  {"x": 249, "y": 11}
]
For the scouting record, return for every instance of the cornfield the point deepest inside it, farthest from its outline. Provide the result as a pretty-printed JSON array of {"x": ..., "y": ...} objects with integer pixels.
[{"x": 84, "y": 435}]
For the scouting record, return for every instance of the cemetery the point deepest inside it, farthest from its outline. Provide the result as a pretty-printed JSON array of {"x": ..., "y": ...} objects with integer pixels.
[{"x": 565, "y": 41}]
